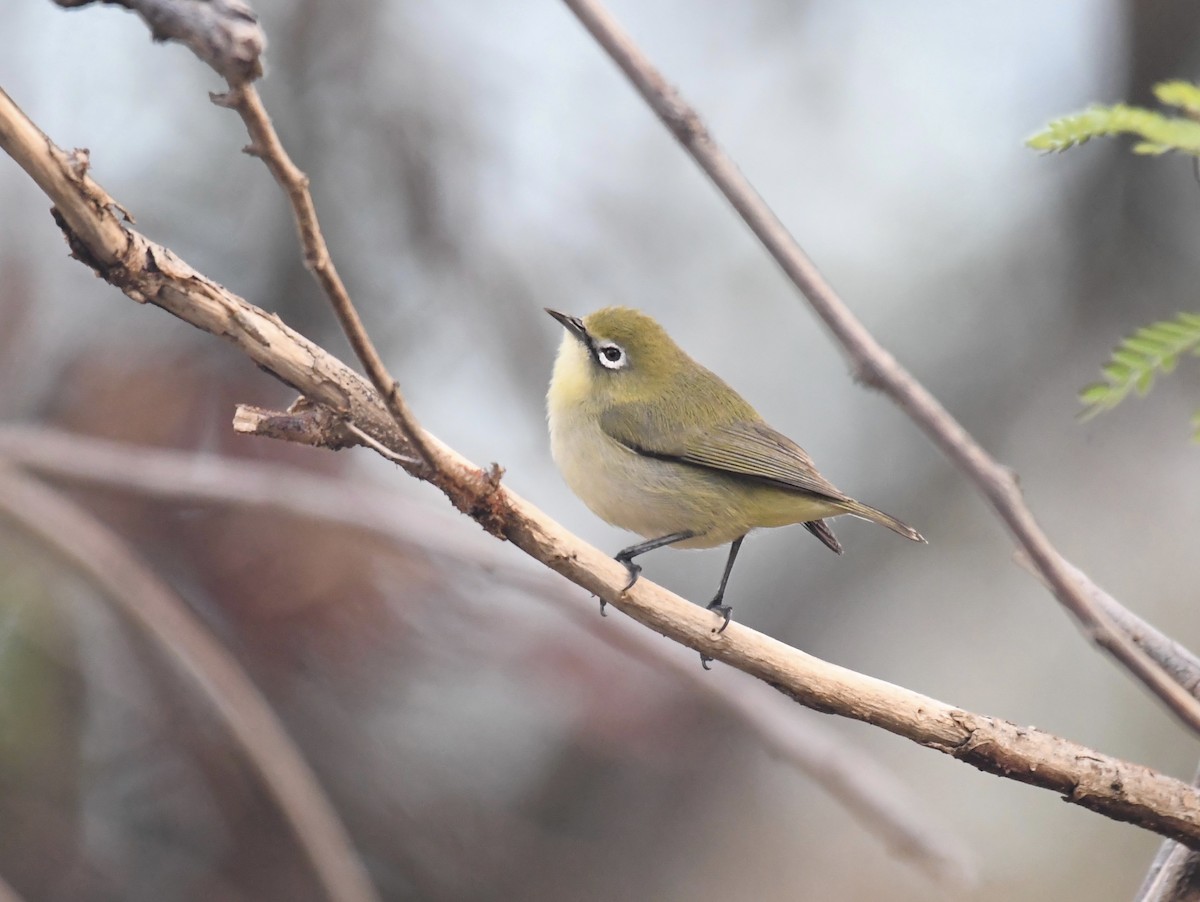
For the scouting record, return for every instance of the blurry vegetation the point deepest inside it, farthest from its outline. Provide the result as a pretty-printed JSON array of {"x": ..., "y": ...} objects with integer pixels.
[
  {"x": 1159, "y": 133},
  {"x": 1155, "y": 348},
  {"x": 1150, "y": 350}
]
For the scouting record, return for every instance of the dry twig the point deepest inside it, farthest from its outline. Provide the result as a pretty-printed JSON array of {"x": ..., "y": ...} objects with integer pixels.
[{"x": 265, "y": 145}]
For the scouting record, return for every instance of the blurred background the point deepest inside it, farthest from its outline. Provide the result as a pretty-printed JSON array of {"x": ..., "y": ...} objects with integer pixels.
[{"x": 482, "y": 732}]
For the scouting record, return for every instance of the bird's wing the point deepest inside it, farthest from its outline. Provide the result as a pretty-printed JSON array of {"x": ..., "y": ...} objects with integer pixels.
[{"x": 747, "y": 448}]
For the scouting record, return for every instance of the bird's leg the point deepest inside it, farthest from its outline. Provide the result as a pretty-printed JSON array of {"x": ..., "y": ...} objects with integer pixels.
[
  {"x": 626, "y": 555},
  {"x": 715, "y": 605}
]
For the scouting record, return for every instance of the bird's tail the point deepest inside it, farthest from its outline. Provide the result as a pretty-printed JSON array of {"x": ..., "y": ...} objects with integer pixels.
[{"x": 858, "y": 509}]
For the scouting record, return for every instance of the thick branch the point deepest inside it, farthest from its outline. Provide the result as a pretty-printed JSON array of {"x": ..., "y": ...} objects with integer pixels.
[
  {"x": 872, "y": 362},
  {"x": 151, "y": 274},
  {"x": 73, "y": 535}
]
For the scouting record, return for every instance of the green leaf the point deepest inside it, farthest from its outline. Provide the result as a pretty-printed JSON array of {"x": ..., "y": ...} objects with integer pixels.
[
  {"x": 1182, "y": 94},
  {"x": 1138, "y": 359},
  {"x": 1129, "y": 358},
  {"x": 1142, "y": 345},
  {"x": 1115, "y": 372},
  {"x": 1158, "y": 133},
  {"x": 1147, "y": 149},
  {"x": 1095, "y": 393}
]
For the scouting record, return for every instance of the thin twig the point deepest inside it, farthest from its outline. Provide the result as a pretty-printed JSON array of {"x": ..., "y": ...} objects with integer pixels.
[
  {"x": 872, "y": 794},
  {"x": 86, "y": 544},
  {"x": 1175, "y": 659},
  {"x": 265, "y": 144},
  {"x": 872, "y": 363},
  {"x": 150, "y": 273}
]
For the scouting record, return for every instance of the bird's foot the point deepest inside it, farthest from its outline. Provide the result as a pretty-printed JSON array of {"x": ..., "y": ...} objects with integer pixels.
[
  {"x": 724, "y": 610},
  {"x": 635, "y": 571},
  {"x": 603, "y": 603},
  {"x": 704, "y": 660}
]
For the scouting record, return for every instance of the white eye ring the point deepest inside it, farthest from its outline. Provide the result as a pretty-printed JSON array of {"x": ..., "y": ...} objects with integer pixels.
[{"x": 611, "y": 355}]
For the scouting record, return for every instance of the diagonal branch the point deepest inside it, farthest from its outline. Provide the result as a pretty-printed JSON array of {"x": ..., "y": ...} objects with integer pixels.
[
  {"x": 875, "y": 366},
  {"x": 149, "y": 273},
  {"x": 266, "y": 146},
  {"x": 872, "y": 794},
  {"x": 88, "y": 546}
]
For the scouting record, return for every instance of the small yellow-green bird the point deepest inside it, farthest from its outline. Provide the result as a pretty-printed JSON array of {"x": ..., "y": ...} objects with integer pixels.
[{"x": 656, "y": 444}]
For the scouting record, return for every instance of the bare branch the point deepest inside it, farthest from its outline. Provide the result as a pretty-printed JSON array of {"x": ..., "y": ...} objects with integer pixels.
[
  {"x": 267, "y": 146},
  {"x": 1179, "y": 662},
  {"x": 223, "y": 33},
  {"x": 872, "y": 363},
  {"x": 76, "y": 537},
  {"x": 872, "y": 794},
  {"x": 1174, "y": 875},
  {"x": 80, "y": 202},
  {"x": 152, "y": 274}
]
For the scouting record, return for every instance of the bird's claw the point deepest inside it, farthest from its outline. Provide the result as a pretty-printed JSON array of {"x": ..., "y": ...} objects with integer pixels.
[
  {"x": 635, "y": 570},
  {"x": 704, "y": 659},
  {"x": 725, "y": 611}
]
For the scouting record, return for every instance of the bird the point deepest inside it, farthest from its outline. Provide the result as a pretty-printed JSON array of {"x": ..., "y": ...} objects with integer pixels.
[{"x": 656, "y": 444}]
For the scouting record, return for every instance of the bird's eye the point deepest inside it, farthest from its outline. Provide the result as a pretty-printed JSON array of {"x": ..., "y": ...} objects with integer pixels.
[{"x": 610, "y": 355}]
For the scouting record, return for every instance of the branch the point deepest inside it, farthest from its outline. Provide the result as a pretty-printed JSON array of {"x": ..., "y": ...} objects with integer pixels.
[
  {"x": 870, "y": 793},
  {"x": 1179, "y": 662},
  {"x": 873, "y": 364},
  {"x": 1174, "y": 875},
  {"x": 265, "y": 144},
  {"x": 223, "y": 33},
  {"x": 149, "y": 273},
  {"x": 91, "y": 548}
]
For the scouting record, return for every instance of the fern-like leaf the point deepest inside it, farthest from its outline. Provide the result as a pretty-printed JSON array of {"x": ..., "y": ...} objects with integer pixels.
[
  {"x": 1138, "y": 359},
  {"x": 1182, "y": 94},
  {"x": 1159, "y": 133}
]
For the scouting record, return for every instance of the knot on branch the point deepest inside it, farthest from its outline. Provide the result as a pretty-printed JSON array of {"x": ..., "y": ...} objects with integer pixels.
[
  {"x": 223, "y": 33},
  {"x": 79, "y": 249},
  {"x": 304, "y": 423},
  {"x": 478, "y": 494},
  {"x": 867, "y": 372},
  {"x": 683, "y": 121}
]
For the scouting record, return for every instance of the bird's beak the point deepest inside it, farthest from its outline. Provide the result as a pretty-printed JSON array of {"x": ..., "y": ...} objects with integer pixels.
[{"x": 572, "y": 324}]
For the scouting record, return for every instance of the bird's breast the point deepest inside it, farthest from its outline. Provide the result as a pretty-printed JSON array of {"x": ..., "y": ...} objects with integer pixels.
[{"x": 645, "y": 495}]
